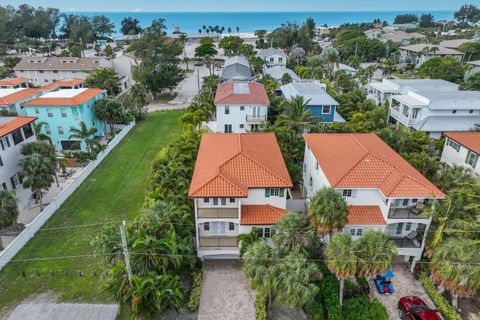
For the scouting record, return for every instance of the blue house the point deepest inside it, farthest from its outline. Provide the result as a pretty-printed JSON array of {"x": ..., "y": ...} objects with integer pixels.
[
  {"x": 317, "y": 100},
  {"x": 63, "y": 110}
]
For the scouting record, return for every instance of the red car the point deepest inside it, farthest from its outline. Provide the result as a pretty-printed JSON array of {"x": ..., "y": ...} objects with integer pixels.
[{"x": 413, "y": 308}]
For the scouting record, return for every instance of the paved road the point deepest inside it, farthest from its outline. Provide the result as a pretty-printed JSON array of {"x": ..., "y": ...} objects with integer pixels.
[{"x": 225, "y": 293}]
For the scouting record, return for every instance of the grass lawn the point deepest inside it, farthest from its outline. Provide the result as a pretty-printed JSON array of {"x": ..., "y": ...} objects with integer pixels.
[{"x": 114, "y": 191}]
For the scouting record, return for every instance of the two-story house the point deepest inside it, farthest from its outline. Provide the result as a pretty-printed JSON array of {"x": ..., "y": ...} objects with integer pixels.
[
  {"x": 315, "y": 97},
  {"x": 11, "y": 99},
  {"x": 273, "y": 57},
  {"x": 382, "y": 190},
  {"x": 462, "y": 149},
  {"x": 14, "y": 133},
  {"x": 240, "y": 181},
  {"x": 236, "y": 68},
  {"x": 240, "y": 107},
  {"x": 419, "y": 53},
  {"x": 14, "y": 83},
  {"x": 63, "y": 110}
]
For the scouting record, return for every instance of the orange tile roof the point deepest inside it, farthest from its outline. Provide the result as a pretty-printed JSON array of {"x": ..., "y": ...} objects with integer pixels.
[
  {"x": 363, "y": 160},
  {"x": 13, "y": 81},
  {"x": 13, "y": 124},
  {"x": 240, "y": 93},
  {"x": 365, "y": 215},
  {"x": 62, "y": 83},
  {"x": 18, "y": 96},
  {"x": 261, "y": 214},
  {"x": 77, "y": 100},
  {"x": 470, "y": 139},
  {"x": 228, "y": 164}
]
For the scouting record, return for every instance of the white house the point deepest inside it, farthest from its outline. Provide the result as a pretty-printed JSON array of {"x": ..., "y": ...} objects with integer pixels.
[
  {"x": 419, "y": 53},
  {"x": 240, "y": 107},
  {"x": 14, "y": 132},
  {"x": 462, "y": 149},
  {"x": 273, "y": 57},
  {"x": 11, "y": 99},
  {"x": 382, "y": 190},
  {"x": 432, "y": 106},
  {"x": 240, "y": 181},
  {"x": 278, "y": 72},
  {"x": 236, "y": 68}
]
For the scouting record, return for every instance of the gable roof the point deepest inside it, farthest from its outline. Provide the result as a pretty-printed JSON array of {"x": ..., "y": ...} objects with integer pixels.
[
  {"x": 228, "y": 164},
  {"x": 313, "y": 93},
  {"x": 363, "y": 160},
  {"x": 454, "y": 44},
  {"x": 271, "y": 51},
  {"x": 365, "y": 215},
  {"x": 237, "y": 60},
  {"x": 65, "y": 97},
  {"x": 10, "y": 124},
  {"x": 60, "y": 63},
  {"x": 469, "y": 139},
  {"x": 261, "y": 214},
  {"x": 236, "y": 71},
  {"x": 13, "y": 81},
  {"x": 11, "y": 96},
  {"x": 277, "y": 73},
  {"x": 240, "y": 93}
]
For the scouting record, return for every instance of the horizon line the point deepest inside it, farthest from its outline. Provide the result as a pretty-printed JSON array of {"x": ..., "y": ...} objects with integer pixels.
[{"x": 263, "y": 11}]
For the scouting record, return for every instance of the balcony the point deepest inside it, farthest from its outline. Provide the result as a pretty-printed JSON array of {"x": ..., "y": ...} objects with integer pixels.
[
  {"x": 407, "y": 213},
  {"x": 256, "y": 119},
  {"x": 394, "y": 113},
  {"x": 230, "y": 213},
  {"x": 218, "y": 242},
  {"x": 404, "y": 242}
]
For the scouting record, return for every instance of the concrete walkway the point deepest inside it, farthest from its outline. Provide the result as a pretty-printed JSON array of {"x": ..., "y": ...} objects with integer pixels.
[
  {"x": 405, "y": 285},
  {"x": 225, "y": 293}
]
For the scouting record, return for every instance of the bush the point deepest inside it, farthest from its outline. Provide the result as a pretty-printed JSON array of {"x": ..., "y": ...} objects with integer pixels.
[
  {"x": 448, "y": 312},
  {"x": 330, "y": 294},
  {"x": 315, "y": 310},
  {"x": 194, "y": 300},
  {"x": 361, "y": 308},
  {"x": 261, "y": 306}
]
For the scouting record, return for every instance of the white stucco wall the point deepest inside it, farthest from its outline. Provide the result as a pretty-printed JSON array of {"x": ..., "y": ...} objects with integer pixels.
[
  {"x": 238, "y": 117},
  {"x": 452, "y": 157},
  {"x": 47, "y": 77}
]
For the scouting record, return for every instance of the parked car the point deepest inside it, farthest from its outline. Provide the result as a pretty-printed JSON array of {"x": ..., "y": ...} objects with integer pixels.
[
  {"x": 414, "y": 308},
  {"x": 383, "y": 282}
]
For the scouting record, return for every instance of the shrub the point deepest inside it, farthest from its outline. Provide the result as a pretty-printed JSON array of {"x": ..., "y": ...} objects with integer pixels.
[
  {"x": 315, "y": 310},
  {"x": 448, "y": 312},
  {"x": 330, "y": 298},
  {"x": 261, "y": 305},
  {"x": 194, "y": 300},
  {"x": 361, "y": 308}
]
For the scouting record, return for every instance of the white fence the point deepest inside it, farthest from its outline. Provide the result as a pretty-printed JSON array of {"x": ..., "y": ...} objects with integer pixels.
[{"x": 18, "y": 243}]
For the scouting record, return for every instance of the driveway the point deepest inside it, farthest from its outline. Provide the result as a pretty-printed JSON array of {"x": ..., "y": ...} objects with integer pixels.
[
  {"x": 225, "y": 293},
  {"x": 405, "y": 285}
]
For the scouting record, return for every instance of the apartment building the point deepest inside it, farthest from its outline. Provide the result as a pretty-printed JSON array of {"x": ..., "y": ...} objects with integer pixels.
[
  {"x": 382, "y": 190},
  {"x": 240, "y": 182},
  {"x": 417, "y": 54}
]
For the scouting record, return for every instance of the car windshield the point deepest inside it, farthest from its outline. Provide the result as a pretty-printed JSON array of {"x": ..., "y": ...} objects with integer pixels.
[{"x": 419, "y": 308}]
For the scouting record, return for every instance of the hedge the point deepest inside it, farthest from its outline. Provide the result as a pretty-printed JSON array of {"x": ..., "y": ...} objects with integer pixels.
[
  {"x": 194, "y": 301},
  {"x": 261, "y": 305},
  {"x": 361, "y": 308},
  {"x": 330, "y": 287},
  {"x": 448, "y": 312},
  {"x": 315, "y": 310}
]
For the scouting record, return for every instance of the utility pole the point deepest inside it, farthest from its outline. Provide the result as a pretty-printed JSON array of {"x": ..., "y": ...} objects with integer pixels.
[
  {"x": 125, "y": 251},
  {"x": 198, "y": 81}
]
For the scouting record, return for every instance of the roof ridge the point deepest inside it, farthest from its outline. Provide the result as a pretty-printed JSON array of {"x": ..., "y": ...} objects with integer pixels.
[
  {"x": 263, "y": 167},
  {"x": 351, "y": 169},
  {"x": 405, "y": 176},
  {"x": 219, "y": 175}
]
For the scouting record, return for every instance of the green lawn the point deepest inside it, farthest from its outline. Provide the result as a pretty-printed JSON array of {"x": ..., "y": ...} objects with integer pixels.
[{"x": 114, "y": 191}]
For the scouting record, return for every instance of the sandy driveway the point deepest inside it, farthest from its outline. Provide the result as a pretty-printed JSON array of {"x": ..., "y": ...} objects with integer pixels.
[{"x": 225, "y": 293}]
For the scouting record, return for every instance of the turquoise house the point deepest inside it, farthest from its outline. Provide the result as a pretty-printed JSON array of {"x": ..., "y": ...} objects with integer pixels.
[{"x": 64, "y": 109}]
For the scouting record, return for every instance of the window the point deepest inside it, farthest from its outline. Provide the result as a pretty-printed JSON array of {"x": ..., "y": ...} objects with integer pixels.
[
  {"x": 228, "y": 128},
  {"x": 272, "y": 59},
  {"x": 37, "y": 111},
  {"x": 470, "y": 111},
  {"x": 414, "y": 200},
  {"x": 408, "y": 226},
  {"x": 242, "y": 108},
  {"x": 206, "y": 200},
  {"x": 55, "y": 71},
  {"x": 50, "y": 113},
  {"x": 310, "y": 182},
  {"x": 1, "y": 162},
  {"x": 206, "y": 226},
  {"x": 64, "y": 113},
  {"x": 274, "y": 192},
  {"x": 359, "y": 232},
  {"x": 347, "y": 193},
  {"x": 232, "y": 200},
  {"x": 227, "y": 110},
  {"x": 325, "y": 109},
  {"x": 15, "y": 182},
  {"x": 454, "y": 111},
  {"x": 40, "y": 71},
  {"x": 231, "y": 226},
  {"x": 60, "y": 129},
  {"x": 47, "y": 129},
  {"x": 5, "y": 143},
  {"x": 27, "y": 131},
  {"x": 254, "y": 127},
  {"x": 4, "y": 186},
  {"x": 453, "y": 144},
  {"x": 405, "y": 202},
  {"x": 316, "y": 166},
  {"x": 352, "y": 232},
  {"x": 267, "y": 232},
  {"x": 242, "y": 126},
  {"x": 215, "y": 201},
  {"x": 280, "y": 59},
  {"x": 224, "y": 201},
  {"x": 472, "y": 159},
  {"x": 75, "y": 111},
  {"x": 17, "y": 136}
]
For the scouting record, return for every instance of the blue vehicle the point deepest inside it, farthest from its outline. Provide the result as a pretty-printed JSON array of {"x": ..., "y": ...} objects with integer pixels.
[{"x": 383, "y": 282}]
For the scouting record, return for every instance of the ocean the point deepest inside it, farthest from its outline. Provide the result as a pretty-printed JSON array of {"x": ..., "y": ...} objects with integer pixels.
[{"x": 191, "y": 22}]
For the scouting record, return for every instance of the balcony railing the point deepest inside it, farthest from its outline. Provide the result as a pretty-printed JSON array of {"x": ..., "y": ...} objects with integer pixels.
[
  {"x": 405, "y": 213},
  {"x": 218, "y": 213},
  {"x": 401, "y": 117},
  {"x": 256, "y": 119},
  {"x": 218, "y": 241}
]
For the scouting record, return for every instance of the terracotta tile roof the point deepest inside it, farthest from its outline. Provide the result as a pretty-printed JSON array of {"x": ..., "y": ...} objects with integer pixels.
[
  {"x": 62, "y": 83},
  {"x": 9, "y": 124},
  {"x": 261, "y": 214},
  {"x": 13, "y": 81},
  {"x": 470, "y": 139},
  {"x": 363, "y": 160},
  {"x": 77, "y": 100},
  {"x": 365, "y": 215},
  {"x": 228, "y": 164},
  {"x": 19, "y": 95},
  {"x": 240, "y": 93}
]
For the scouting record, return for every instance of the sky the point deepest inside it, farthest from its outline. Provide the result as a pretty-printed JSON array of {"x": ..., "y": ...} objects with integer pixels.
[{"x": 244, "y": 5}]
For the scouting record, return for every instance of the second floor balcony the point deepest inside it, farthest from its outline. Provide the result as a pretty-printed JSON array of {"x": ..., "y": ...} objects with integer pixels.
[
  {"x": 230, "y": 213},
  {"x": 402, "y": 117},
  {"x": 413, "y": 211},
  {"x": 256, "y": 118}
]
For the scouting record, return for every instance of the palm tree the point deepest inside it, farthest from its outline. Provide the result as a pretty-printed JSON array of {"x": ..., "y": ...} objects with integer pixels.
[
  {"x": 331, "y": 62},
  {"x": 388, "y": 68},
  {"x": 37, "y": 171},
  {"x": 327, "y": 211},
  {"x": 8, "y": 211},
  {"x": 286, "y": 78},
  {"x": 341, "y": 261},
  {"x": 38, "y": 132},
  {"x": 295, "y": 117},
  {"x": 229, "y": 30},
  {"x": 84, "y": 134},
  {"x": 246, "y": 240},
  {"x": 238, "y": 29},
  {"x": 183, "y": 38},
  {"x": 456, "y": 267},
  {"x": 294, "y": 231},
  {"x": 374, "y": 253}
]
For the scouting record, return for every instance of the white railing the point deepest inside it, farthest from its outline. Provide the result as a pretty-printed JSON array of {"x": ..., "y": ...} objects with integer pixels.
[
  {"x": 12, "y": 249},
  {"x": 259, "y": 118},
  {"x": 401, "y": 117}
]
